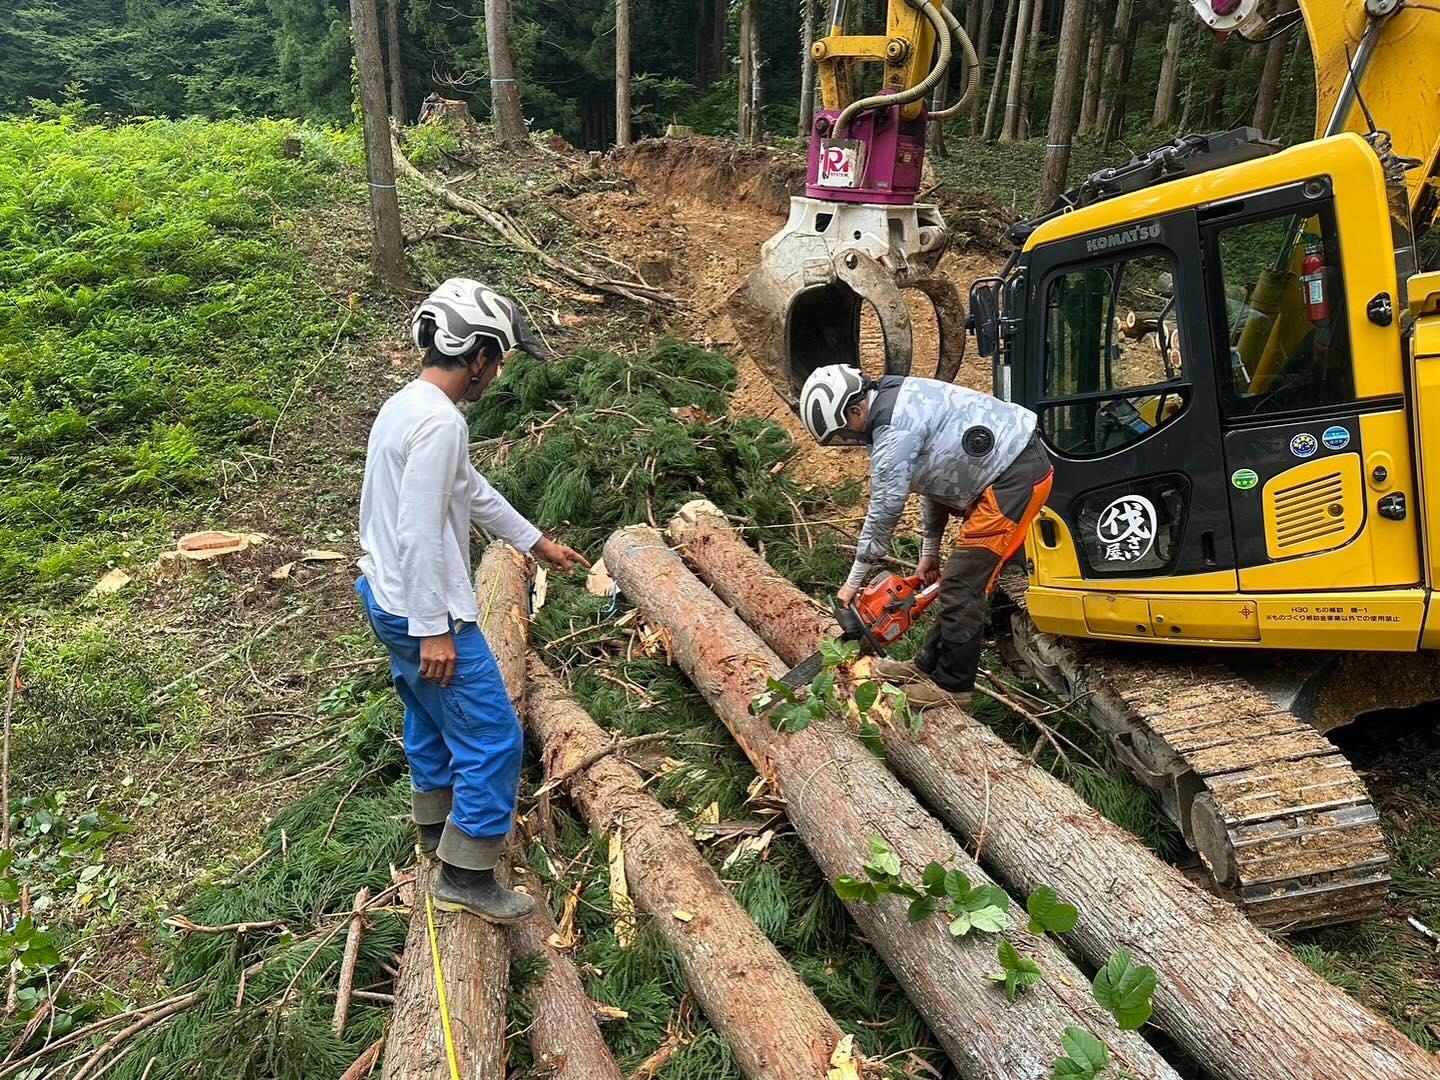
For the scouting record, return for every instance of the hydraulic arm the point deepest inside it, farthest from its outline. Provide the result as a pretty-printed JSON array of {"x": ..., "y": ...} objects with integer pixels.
[{"x": 857, "y": 235}]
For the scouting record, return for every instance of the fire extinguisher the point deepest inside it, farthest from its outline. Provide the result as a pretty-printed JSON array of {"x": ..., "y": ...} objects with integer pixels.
[{"x": 1312, "y": 282}]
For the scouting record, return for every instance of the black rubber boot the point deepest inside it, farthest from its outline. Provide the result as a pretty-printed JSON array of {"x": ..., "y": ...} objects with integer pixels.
[
  {"x": 429, "y": 836},
  {"x": 477, "y": 892}
]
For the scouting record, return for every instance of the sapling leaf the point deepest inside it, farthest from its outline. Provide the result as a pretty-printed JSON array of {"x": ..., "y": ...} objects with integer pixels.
[
  {"x": 988, "y": 896},
  {"x": 9, "y": 890},
  {"x": 933, "y": 878},
  {"x": 921, "y": 909},
  {"x": 779, "y": 690},
  {"x": 884, "y": 865},
  {"x": 823, "y": 685},
  {"x": 990, "y": 919},
  {"x": 877, "y": 844},
  {"x": 849, "y": 651},
  {"x": 830, "y": 654},
  {"x": 1049, "y": 913},
  {"x": 1017, "y": 972},
  {"x": 1085, "y": 1054},
  {"x": 960, "y": 923},
  {"x": 865, "y": 695},
  {"x": 847, "y": 887},
  {"x": 957, "y": 885},
  {"x": 1123, "y": 989},
  {"x": 869, "y": 735}
]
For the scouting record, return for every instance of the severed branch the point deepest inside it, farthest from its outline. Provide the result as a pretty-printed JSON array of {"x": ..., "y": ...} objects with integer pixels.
[
  {"x": 515, "y": 236},
  {"x": 366, "y": 1062},
  {"x": 353, "y": 935},
  {"x": 599, "y": 754},
  {"x": 186, "y": 926}
]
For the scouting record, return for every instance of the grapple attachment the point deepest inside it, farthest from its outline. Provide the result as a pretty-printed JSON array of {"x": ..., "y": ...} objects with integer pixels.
[{"x": 800, "y": 309}]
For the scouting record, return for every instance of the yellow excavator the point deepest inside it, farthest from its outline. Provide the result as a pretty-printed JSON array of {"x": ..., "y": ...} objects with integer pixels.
[
  {"x": 1234, "y": 355},
  {"x": 1235, "y": 359}
]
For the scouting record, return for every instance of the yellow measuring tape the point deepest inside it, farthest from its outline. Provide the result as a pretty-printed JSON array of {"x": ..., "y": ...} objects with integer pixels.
[{"x": 440, "y": 992}]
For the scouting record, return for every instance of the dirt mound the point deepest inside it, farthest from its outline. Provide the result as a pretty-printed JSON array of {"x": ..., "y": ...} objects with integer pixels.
[{"x": 722, "y": 173}]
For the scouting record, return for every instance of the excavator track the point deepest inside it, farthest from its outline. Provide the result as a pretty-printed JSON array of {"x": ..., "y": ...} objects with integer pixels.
[{"x": 1278, "y": 815}]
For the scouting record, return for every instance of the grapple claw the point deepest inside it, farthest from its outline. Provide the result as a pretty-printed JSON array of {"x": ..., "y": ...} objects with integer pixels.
[{"x": 800, "y": 308}]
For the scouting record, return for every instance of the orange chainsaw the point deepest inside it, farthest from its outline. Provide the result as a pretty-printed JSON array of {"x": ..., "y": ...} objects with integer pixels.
[{"x": 880, "y": 615}]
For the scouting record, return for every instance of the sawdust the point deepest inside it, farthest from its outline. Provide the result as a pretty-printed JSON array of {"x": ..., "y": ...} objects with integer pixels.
[{"x": 699, "y": 212}]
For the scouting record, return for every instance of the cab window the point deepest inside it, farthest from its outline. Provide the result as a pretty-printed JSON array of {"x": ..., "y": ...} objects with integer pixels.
[
  {"x": 1114, "y": 371},
  {"x": 1284, "y": 315}
]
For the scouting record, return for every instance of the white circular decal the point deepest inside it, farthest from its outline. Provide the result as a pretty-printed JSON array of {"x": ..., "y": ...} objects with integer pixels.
[{"x": 1126, "y": 529}]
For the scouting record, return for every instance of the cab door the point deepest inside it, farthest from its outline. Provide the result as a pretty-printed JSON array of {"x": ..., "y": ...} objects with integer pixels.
[
  {"x": 1117, "y": 363},
  {"x": 1312, "y": 389}
]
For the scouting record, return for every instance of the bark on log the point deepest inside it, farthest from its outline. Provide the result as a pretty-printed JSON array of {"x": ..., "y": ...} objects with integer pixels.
[
  {"x": 565, "y": 1040},
  {"x": 838, "y": 795},
  {"x": 474, "y": 957},
  {"x": 476, "y": 967},
  {"x": 1235, "y": 1000},
  {"x": 774, "y": 1024}
]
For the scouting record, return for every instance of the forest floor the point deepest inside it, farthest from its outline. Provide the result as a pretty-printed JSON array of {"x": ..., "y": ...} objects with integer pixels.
[{"x": 255, "y": 703}]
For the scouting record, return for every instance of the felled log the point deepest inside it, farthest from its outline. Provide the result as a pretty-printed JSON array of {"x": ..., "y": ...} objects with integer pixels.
[
  {"x": 565, "y": 1040},
  {"x": 774, "y": 1024},
  {"x": 474, "y": 956},
  {"x": 1236, "y": 1001},
  {"x": 1139, "y": 323},
  {"x": 837, "y": 795}
]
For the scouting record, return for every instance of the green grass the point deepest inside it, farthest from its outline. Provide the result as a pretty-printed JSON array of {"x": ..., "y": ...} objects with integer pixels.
[{"x": 154, "y": 314}]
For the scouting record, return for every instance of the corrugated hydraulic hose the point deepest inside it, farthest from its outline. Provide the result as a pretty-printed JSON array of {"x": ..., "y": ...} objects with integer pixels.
[
  {"x": 972, "y": 67},
  {"x": 920, "y": 89}
]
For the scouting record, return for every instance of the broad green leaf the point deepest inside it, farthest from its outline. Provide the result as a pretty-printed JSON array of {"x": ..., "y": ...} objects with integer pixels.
[
  {"x": 884, "y": 865},
  {"x": 988, "y": 896},
  {"x": 957, "y": 885},
  {"x": 823, "y": 685},
  {"x": 990, "y": 919},
  {"x": 921, "y": 909},
  {"x": 1017, "y": 972},
  {"x": 848, "y": 887},
  {"x": 876, "y": 844},
  {"x": 849, "y": 651},
  {"x": 1123, "y": 988},
  {"x": 934, "y": 879},
  {"x": 779, "y": 690},
  {"x": 1085, "y": 1049},
  {"x": 9, "y": 890},
  {"x": 869, "y": 735},
  {"x": 960, "y": 924},
  {"x": 1048, "y": 913},
  {"x": 865, "y": 695},
  {"x": 1065, "y": 1069},
  {"x": 830, "y": 652}
]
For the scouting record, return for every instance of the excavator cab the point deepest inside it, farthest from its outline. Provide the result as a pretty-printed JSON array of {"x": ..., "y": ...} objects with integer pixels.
[
  {"x": 857, "y": 237},
  {"x": 1211, "y": 337}
]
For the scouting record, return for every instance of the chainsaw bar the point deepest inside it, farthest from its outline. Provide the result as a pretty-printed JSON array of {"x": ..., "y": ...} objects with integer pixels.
[{"x": 803, "y": 673}]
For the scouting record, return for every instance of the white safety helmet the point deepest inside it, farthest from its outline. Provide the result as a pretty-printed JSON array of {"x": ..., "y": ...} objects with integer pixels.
[
  {"x": 462, "y": 311},
  {"x": 827, "y": 393}
]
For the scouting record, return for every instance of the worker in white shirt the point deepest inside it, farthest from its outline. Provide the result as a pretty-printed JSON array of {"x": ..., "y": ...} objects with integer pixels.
[{"x": 420, "y": 496}]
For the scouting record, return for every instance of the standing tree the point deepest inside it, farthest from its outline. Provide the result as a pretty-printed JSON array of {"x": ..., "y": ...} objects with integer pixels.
[
  {"x": 504, "y": 90},
  {"x": 397, "y": 75},
  {"x": 622, "y": 72},
  {"x": 807, "y": 67},
  {"x": 1270, "y": 77},
  {"x": 1094, "y": 67},
  {"x": 1112, "y": 88},
  {"x": 1169, "y": 68},
  {"x": 1062, "y": 105},
  {"x": 982, "y": 53},
  {"x": 745, "y": 106},
  {"x": 1017, "y": 72},
  {"x": 1114, "y": 118},
  {"x": 387, "y": 252},
  {"x": 1032, "y": 61},
  {"x": 999, "y": 81}
]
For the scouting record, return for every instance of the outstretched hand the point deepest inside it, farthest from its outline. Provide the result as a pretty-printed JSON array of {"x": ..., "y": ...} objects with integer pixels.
[{"x": 558, "y": 556}]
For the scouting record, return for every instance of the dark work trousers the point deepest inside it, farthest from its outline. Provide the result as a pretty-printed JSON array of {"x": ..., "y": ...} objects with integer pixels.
[{"x": 993, "y": 530}]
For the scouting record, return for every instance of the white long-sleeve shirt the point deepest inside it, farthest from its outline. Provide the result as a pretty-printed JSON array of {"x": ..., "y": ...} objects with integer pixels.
[{"x": 419, "y": 497}]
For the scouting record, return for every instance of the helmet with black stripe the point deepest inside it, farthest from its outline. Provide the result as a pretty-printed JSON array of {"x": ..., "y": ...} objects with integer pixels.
[
  {"x": 454, "y": 318},
  {"x": 827, "y": 393}
]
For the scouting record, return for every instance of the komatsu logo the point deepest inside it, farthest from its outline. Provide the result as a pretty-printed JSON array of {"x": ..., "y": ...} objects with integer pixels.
[{"x": 1119, "y": 239}]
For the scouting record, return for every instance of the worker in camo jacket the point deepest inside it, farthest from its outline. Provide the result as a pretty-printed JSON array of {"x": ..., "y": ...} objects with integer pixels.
[
  {"x": 966, "y": 454},
  {"x": 419, "y": 498}
]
